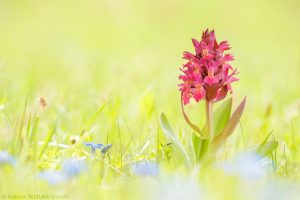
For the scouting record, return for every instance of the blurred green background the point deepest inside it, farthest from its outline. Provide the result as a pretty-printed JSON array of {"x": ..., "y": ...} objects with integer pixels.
[
  {"x": 82, "y": 52},
  {"x": 79, "y": 54}
]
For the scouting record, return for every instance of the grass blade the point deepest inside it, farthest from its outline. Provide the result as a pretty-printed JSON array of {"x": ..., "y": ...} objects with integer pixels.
[
  {"x": 93, "y": 119},
  {"x": 48, "y": 139}
]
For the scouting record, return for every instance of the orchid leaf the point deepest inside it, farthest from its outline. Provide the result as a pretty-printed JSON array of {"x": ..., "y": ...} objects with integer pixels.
[
  {"x": 222, "y": 115},
  {"x": 167, "y": 130},
  {"x": 230, "y": 126},
  {"x": 203, "y": 149},
  {"x": 197, "y": 145},
  {"x": 200, "y": 147}
]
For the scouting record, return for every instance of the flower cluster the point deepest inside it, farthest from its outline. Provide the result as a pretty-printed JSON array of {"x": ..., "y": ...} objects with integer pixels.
[{"x": 207, "y": 73}]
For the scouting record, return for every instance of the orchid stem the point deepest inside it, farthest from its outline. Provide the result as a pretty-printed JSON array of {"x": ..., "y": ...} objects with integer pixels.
[{"x": 209, "y": 119}]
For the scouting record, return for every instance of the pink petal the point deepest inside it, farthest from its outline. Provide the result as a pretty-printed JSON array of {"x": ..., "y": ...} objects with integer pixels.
[
  {"x": 210, "y": 80},
  {"x": 228, "y": 57},
  {"x": 195, "y": 42},
  {"x": 224, "y": 46},
  {"x": 199, "y": 94},
  {"x": 186, "y": 98},
  {"x": 188, "y": 55}
]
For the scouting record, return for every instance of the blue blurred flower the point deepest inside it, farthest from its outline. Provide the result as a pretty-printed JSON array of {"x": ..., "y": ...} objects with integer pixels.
[
  {"x": 101, "y": 147},
  {"x": 53, "y": 177},
  {"x": 70, "y": 169},
  {"x": 248, "y": 165},
  {"x": 145, "y": 168},
  {"x": 73, "y": 167},
  {"x": 105, "y": 149},
  {"x": 93, "y": 146},
  {"x": 6, "y": 158}
]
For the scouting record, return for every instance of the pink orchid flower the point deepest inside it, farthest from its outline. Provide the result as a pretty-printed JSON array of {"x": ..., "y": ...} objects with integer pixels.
[{"x": 206, "y": 74}]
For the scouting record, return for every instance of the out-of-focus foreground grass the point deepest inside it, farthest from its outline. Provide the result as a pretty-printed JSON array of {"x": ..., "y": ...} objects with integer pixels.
[{"x": 125, "y": 54}]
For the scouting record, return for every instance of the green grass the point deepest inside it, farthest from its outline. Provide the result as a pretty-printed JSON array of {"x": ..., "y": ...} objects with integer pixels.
[{"x": 108, "y": 69}]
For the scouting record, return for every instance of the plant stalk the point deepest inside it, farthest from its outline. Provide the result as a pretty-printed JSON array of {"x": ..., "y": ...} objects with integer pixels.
[{"x": 209, "y": 119}]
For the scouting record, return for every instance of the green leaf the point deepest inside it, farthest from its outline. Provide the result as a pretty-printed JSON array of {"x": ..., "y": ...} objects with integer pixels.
[
  {"x": 167, "y": 130},
  {"x": 197, "y": 145},
  {"x": 221, "y": 116},
  {"x": 204, "y": 149},
  {"x": 230, "y": 126},
  {"x": 200, "y": 147}
]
